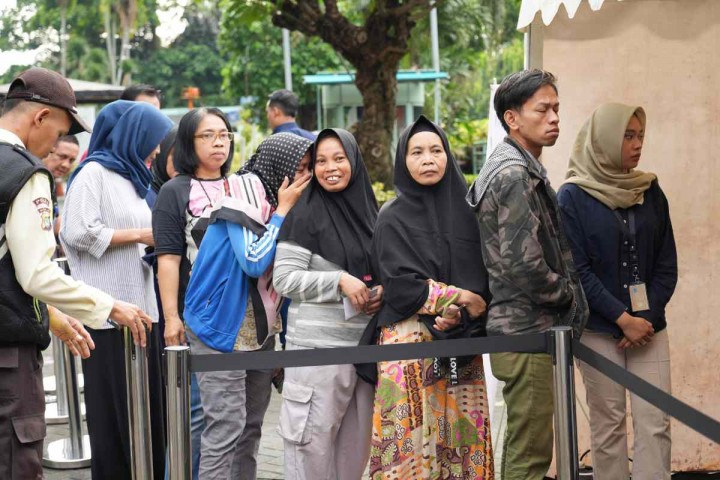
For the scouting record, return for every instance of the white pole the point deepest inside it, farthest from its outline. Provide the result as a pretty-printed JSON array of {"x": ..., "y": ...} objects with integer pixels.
[
  {"x": 436, "y": 59},
  {"x": 286, "y": 58}
]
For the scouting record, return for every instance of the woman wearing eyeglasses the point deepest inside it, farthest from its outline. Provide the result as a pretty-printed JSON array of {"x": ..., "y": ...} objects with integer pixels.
[
  {"x": 231, "y": 305},
  {"x": 202, "y": 157}
]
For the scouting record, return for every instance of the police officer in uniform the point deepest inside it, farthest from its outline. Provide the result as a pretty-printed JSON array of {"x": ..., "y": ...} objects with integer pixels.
[{"x": 39, "y": 108}]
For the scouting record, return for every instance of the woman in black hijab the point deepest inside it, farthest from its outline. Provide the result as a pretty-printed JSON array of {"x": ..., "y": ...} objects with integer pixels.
[
  {"x": 429, "y": 422},
  {"x": 162, "y": 168},
  {"x": 323, "y": 264}
]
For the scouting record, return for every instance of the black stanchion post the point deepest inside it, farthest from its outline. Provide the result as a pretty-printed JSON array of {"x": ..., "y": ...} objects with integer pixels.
[
  {"x": 566, "y": 444},
  {"x": 178, "y": 412},
  {"x": 138, "y": 397}
]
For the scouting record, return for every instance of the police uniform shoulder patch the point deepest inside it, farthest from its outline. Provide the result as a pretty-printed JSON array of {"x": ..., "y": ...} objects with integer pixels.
[{"x": 42, "y": 205}]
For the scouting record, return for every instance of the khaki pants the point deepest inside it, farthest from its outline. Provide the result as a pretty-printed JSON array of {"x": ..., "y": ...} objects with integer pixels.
[
  {"x": 606, "y": 400},
  {"x": 528, "y": 444},
  {"x": 326, "y": 422}
]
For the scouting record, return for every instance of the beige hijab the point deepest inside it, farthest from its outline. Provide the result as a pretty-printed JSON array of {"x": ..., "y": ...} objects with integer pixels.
[{"x": 595, "y": 161}]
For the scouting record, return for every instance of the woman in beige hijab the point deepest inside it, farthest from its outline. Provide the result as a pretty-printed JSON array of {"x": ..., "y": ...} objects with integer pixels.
[{"x": 617, "y": 220}]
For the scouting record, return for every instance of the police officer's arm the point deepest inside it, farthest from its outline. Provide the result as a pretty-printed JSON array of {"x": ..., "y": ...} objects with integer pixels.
[{"x": 30, "y": 239}]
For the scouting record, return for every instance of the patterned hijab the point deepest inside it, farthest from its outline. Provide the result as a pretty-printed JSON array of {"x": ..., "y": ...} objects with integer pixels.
[
  {"x": 596, "y": 163},
  {"x": 277, "y": 157}
]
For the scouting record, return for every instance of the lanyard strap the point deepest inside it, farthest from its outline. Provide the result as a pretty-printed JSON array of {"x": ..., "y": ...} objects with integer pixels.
[{"x": 629, "y": 232}]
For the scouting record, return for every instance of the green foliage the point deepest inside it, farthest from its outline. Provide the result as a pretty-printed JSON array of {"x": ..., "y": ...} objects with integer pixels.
[
  {"x": 478, "y": 44},
  {"x": 254, "y": 67},
  {"x": 193, "y": 59},
  {"x": 469, "y": 178},
  {"x": 381, "y": 194},
  {"x": 247, "y": 138},
  {"x": 35, "y": 23}
]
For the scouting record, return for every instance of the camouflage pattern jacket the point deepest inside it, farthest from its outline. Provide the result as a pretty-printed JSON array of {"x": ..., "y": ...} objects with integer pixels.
[{"x": 533, "y": 281}]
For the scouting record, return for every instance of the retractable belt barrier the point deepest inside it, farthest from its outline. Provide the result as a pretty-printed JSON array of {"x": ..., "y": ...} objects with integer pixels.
[
  {"x": 533, "y": 343},
  {"x": 681, "y": 411},
  {"x": 557, "y": 342}
]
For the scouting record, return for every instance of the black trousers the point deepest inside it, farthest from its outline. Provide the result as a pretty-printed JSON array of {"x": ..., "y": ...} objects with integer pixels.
[
  {"x": 22, "y": 413},
  {"x": 106, "y": 406}
]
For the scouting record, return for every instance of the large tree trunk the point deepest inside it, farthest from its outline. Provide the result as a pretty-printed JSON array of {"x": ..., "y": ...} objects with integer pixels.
[{"x": 378, "y": 86}]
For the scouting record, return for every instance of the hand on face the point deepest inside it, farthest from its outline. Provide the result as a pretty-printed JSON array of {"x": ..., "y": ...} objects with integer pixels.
[{"x": 426, "y": 158}]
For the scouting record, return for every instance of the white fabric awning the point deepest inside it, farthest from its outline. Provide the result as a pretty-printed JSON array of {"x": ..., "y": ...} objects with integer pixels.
[{"x": 549, "y": 8}]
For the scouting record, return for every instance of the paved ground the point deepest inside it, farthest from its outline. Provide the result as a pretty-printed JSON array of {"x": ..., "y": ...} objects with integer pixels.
[{"x": 270, "y": 458}]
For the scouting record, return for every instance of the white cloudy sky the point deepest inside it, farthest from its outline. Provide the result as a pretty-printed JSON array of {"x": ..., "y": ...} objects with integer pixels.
[{"x": 170, "y": 27}]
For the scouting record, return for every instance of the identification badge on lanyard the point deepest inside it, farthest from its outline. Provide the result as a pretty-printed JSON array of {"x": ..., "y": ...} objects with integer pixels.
[
  {"x": 637, "y": 289},
  {"x": 638, "y": 297}
]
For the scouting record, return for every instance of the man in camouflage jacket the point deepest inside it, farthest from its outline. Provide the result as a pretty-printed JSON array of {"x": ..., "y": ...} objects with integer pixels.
[{"x": 533, "y": 281}]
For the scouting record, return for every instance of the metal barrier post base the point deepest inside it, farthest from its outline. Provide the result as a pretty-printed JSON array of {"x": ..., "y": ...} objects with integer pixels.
[{"x": 60, "y": 454}]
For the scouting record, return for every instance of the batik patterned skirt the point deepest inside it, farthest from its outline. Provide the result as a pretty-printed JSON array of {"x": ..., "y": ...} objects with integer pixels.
[{"x": 423, "y": 426}]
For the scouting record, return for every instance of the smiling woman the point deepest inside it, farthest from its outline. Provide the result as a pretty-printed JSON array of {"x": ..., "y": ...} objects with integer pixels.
[{"x": 323, "y": 264}]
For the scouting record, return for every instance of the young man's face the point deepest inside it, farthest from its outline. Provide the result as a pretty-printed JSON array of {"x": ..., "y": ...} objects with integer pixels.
[
  {"x": 537, "y": 123},
  {"x": 60, "y": 160}
]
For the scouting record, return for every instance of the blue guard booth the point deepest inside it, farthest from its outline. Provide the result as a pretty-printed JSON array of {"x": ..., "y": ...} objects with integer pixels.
[{"x": 339, "y": 103}]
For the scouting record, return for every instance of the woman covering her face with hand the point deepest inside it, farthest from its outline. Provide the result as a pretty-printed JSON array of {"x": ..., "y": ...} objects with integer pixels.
[
  {"x": 617, "y": 220},
  {"x": 323, "y": 264},
  {"x": 429, "y": 422}
]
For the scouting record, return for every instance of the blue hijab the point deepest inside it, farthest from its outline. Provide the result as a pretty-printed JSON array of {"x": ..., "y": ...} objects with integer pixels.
[{"x": 124, "y": 135}]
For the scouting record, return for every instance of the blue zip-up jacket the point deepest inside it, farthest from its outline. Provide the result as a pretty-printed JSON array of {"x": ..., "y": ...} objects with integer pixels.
[{"x": 217, "y": 294}]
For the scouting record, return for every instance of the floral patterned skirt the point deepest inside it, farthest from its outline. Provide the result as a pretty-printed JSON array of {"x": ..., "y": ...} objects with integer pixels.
[{"x": 424, "y": 427}]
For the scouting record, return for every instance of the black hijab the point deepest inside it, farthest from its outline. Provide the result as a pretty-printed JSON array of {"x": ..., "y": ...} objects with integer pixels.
[
  {"x": 428, "y": 232},
  {"x": 277, "y": 157},
  {"x": 159, "y": 165},
  {"x": 338, "y": 226}
]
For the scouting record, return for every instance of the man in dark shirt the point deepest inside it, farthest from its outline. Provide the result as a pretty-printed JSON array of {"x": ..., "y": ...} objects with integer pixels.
[{"x": 282, "y": 107}]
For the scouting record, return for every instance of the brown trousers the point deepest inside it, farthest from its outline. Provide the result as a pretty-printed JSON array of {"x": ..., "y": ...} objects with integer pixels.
[{"x": 22, "y": 412}]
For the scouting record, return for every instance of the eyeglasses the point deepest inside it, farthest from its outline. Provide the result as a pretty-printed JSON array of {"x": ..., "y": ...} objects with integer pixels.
[{"x": 210, "y": 137}]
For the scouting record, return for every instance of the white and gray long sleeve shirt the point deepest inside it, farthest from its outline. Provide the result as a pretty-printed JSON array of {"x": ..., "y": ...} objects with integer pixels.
[{"x": 316, "y": 318}]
